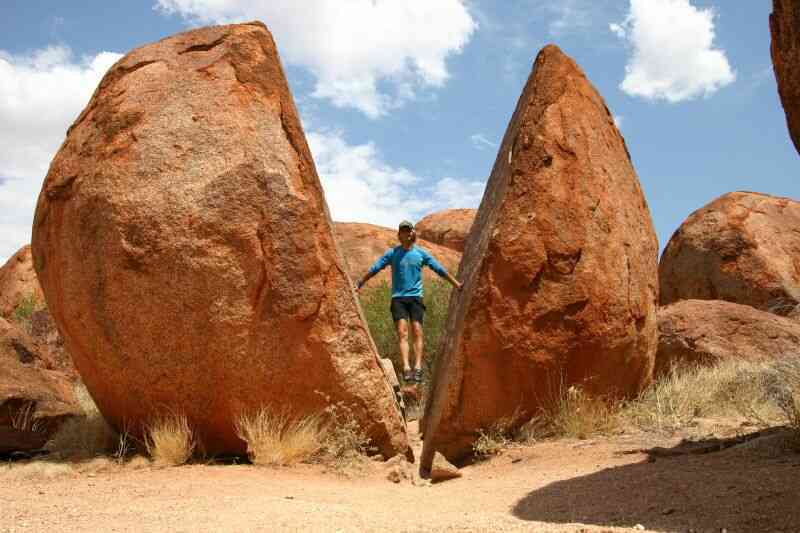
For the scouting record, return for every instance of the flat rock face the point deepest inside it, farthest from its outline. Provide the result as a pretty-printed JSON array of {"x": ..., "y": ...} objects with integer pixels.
[
  {"x": 448, "y": 228},
  {"x": 363, "y": 244},
  {"x": 28, "y": 383},
  {"x": 559, "y": 269},
  {"x": 708, "y": 331},
  {"x": 18, "y": 281},
  {"x": 743, "y": 247},
  {"x": 186, "y": 250},
  {"x": 784, "y": 24}
]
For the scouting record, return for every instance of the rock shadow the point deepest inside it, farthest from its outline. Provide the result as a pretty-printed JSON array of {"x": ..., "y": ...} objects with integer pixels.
[{"x": 750, "y": 487}]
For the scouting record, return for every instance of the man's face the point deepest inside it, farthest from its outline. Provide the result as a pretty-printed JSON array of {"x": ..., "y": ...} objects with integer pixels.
[{"x": 405, "y": 235}]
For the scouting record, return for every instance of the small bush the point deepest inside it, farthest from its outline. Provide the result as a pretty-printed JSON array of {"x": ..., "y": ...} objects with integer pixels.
[
  {"x": 25, "y": 309},
  {"x": 169, "y": 440},
  {"x": 345, "y": 444},
  {"x": 84, "y": 436},
  {"x": 495, "y": 438},
  {"x": 276, "y": 438}
]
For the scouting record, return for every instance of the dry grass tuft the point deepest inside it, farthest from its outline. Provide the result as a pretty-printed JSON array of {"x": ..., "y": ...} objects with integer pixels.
[
  {"x": 84, "y": 436},
  {"x": 733, "y": 388},
  {"x": 34, "y": 470},
  {"x": 169, "y": 440},
  {"x": 495, "y": 438},
  {"x": 574, "y": 414},
  {"x": 332, "y": 437},
  {"x": 279, "y": 439},
  {"x": 25, "y": 419}
]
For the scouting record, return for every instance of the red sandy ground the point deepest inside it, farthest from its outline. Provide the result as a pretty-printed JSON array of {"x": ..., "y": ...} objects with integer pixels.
[{"x": 564, "y": 485}]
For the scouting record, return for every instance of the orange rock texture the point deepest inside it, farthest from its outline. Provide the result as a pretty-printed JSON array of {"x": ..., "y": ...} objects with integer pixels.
[
  {"x": 448, "y": 228},
  {"x": 363, "y": 244},
  {"x": 743, "y": 247},
  {"x": 29, "y": 383},
  {"x": 559, "y": 269},
  {"x": 186, "y": 251},
  {"x": 18, "y": 281},
  {"x": 784, "y": 24},
  {"x": 709, "y": 331}
]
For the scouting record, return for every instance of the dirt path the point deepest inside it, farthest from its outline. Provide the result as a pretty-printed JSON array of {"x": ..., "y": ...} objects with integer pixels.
[{"x": 551, "y": 486}]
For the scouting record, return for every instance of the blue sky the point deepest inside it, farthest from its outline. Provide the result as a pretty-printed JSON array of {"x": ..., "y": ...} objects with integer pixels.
[{"x": 404, "y": 103}]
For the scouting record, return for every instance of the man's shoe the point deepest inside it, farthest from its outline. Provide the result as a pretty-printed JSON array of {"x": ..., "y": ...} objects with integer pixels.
[
  {"x": 418, "y": 375},
  {"x": 408, "y": 376}
]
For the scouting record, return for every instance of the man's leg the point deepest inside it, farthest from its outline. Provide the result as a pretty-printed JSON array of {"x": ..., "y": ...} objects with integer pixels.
[
  {"x": 402, "y": 338},
  {"x": 416, "y": 329}
]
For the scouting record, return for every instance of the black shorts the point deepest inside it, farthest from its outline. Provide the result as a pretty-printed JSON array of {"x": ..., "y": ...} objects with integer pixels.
[{"x": 406, "y": 307}]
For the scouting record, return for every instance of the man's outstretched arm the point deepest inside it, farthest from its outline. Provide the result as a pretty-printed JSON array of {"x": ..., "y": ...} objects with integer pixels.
[
  {"x": 379, "y": 265},
  {"x": 434, "y": 265}
]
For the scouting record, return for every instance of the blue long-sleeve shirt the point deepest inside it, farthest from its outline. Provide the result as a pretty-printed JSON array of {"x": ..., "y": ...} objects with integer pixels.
[{"x": 407, "y": 269}]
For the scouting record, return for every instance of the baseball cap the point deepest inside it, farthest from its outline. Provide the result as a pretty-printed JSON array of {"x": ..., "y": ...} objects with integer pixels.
[{"x": 406, "y": 224}]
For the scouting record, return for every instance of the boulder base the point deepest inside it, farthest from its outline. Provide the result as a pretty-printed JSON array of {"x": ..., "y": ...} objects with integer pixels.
[
  {"x": 186, "y": 251},
  {"x": 705, "y": 332},
  {"x": 739, "y": 248},
  {"x": 559, "y": 270}
]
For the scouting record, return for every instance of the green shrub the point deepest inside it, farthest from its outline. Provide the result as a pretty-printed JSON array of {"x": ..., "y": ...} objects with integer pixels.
[
  {"x": 25, "y": 309},
  {"x": 376, "y": 301}
]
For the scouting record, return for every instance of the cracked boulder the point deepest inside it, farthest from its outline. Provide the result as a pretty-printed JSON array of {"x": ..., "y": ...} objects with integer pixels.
[
  {"x": 784, "y": 25},
  {"x": 743, "y": 247},
  {"x": 186, "y": 251},
  {"x": 705, "y": 332},
  {"x": 559, "y": 270}
]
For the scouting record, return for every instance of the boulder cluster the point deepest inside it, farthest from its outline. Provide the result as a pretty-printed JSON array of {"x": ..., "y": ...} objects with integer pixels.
[{"x": 184, "y": 260}]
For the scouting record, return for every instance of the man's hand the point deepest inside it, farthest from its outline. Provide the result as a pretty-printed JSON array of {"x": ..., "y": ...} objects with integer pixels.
[{"x": 359, "y": 284}]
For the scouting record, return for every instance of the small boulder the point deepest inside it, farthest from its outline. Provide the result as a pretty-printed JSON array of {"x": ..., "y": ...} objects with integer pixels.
[
  {"x": 784, "y": 24},
  {"x": 448, "y": 228},
  {"x": 743, "y": 247},
  {"x": 559, "y": 270},
  {"x": 442, "y": 469},
  {"x": 18, "y": 282},
  {"x": 31, "y": 394},
  {"x": 705, "y": 332}
]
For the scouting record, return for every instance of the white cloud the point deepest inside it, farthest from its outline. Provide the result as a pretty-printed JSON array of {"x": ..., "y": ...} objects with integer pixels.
[
  {"x": 481, "y": 142},
  {"x": 569, "y": 16},
  {"x": 40, "y": 95},
  {"x": 672, "y": 56},
  {"x": 361, "y": 187},
  {"x": 356, "y": 49}
]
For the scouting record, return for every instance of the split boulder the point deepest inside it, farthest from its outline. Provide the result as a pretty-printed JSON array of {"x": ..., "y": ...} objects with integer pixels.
[
  {"x": 743, "y": 247},
  {"x": 784, "y": 24},
  {"x": 187, "y": 254},
  {"x": 704, "y": 332},
  {"x": 559, "y": 270}
]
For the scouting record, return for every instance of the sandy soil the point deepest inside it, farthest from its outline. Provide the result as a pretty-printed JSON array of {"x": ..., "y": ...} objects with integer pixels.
[{"x": 594, "y": 485}]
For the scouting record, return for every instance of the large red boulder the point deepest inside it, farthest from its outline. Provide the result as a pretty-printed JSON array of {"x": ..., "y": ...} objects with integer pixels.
[
  {"x": 363, "y": 244},
  {"x": 186, "y": 251},
  {"x": 32, "y": 393},
  {"x": 448, "y": 228},
  {"x": 18, "y": 282},
  {"x": 559, "y": 269},
  {"x": 743, "y": 247},
  {"x": 704, "y": 332},
  {"x": 784, "y": 24}
]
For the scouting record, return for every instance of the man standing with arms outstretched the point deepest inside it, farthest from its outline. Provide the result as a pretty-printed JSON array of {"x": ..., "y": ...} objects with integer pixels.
[{"x": 407, "y": 261}]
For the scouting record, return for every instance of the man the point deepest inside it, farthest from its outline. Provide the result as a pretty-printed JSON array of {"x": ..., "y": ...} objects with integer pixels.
[{"x": 407, "y": 261}]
